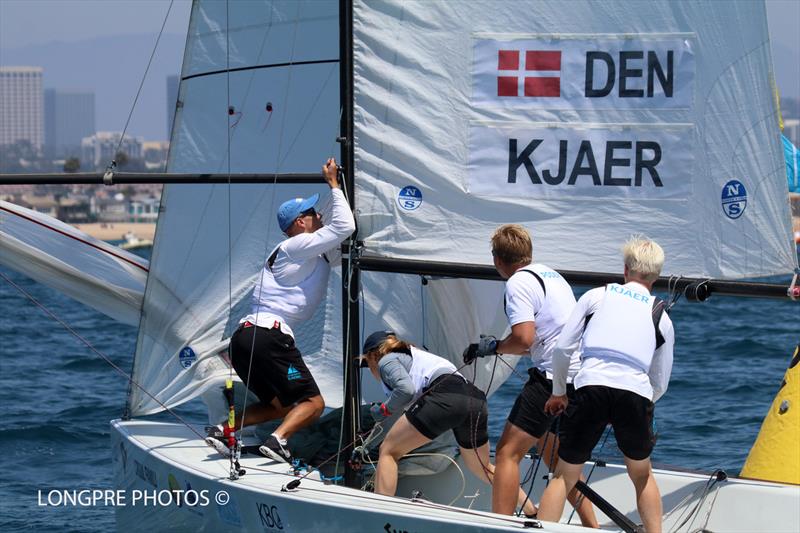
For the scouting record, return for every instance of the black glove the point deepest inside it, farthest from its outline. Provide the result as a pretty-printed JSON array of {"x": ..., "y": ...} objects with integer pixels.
[{"x": 470, "y": 353}]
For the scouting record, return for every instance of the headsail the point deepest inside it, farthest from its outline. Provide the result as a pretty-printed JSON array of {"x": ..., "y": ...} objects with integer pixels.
[
  {"x": 253, "y": 79},
  {"x": 653, "y": 117}
]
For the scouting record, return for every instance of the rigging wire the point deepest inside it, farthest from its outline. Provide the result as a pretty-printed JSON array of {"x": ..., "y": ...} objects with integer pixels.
[
  {"x": 272, "y": 202},
  {"x": 98, "y": 352},
  {"x": 113, "y": 163}
]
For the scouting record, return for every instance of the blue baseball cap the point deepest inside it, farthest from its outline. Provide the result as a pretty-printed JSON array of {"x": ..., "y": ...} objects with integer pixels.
[{"x": 291, "y": 209}]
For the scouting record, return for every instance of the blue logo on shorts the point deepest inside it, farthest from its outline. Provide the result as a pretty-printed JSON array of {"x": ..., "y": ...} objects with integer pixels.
[
  {"x": 187, "y": 357},
  {"x": 734, "y": 199},
  {"x": 293, "y": 373},
  {"x": 410, "y": 198}
]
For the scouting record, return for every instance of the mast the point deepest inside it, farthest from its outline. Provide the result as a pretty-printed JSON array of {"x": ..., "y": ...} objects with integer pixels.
[{"x": 350, "y": 304}]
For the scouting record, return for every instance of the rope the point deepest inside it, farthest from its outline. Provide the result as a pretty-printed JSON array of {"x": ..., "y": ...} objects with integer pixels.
[
  {"x": 272, "y": 202},
  {"x": 591, "y": 471},
  {"x": 716, "y": 476},
  {"x": 141, "y": 84}
]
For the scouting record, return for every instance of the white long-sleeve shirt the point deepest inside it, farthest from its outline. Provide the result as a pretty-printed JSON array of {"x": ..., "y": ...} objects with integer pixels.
[
  {"x": 291, "y": 289},
  {"x": 598, "y": 370}
]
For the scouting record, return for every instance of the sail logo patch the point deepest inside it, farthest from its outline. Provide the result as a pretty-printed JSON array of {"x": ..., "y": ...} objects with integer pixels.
[
  {"x": 508, "y": 80},
  {"x": 603, "y": 71},
  {"x": 293, "y": 374},
  {"x": 410, "y": 198},
  {"x": 187, "y": 357},
  {"x": 734, "y": 199}
]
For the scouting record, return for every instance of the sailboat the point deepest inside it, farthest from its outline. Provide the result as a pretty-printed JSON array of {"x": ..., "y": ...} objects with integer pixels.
[{"x": 585, "y": 123}]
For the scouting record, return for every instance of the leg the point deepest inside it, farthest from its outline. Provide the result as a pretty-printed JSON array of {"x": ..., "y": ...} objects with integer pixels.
[
  {"x": 548, "y": 449},
  {"x": 513, "y": 445},
  {"x": 261, "y": 412},
  {"x": 555, "y": 495},
  {"x": 477, "y": 460},
  {"x": 303, "y": 413},
  {"x": 648, "y": 498},
  {"x": 402, "y": 438}
]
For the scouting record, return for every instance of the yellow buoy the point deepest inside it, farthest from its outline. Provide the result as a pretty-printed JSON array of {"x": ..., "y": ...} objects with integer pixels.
[{"x": 775, "y": 455}]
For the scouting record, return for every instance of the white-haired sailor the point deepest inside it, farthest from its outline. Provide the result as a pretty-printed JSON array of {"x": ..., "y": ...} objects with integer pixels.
[
  {"x": 287, "y": 293},
  {"x": 625, "y": 368},
  {"x": 436, "y": 398}
]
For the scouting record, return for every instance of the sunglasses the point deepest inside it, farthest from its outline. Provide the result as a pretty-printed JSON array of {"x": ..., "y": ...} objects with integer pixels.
[{"x": 308, "y": 212}]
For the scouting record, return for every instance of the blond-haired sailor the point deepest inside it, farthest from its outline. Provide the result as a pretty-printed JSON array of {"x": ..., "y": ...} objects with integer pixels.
[
  {"x": 625, "y": 368},
  {"x": 538, "y": 301}
]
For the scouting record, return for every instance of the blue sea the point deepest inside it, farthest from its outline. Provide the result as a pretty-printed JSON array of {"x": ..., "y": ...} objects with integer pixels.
[{"x": 57, "y": 397}]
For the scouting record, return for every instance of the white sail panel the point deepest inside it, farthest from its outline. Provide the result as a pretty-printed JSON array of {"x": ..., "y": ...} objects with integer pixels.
[
  {"x": 427, "y": 73},
  {"x": 89, "y": 270},
  {"x": 212, "y": 240}
]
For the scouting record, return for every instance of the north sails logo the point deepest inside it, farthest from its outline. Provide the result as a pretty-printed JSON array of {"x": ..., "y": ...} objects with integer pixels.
[
  {"x": 293, "y": 373},
  {"x": 510, "y": 73}
]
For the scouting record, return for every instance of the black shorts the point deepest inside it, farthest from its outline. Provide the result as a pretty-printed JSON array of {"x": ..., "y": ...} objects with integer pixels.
[
  {"x": 452, "y": 403},
  {"x": 277, "y": 368},
  {"x": 528, "y": 411},
  {"x": 595, "y": 406}
]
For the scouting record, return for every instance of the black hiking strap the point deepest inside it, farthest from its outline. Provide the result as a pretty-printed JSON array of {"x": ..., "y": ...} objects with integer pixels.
[
  {"x": 659, "y": 306},
  {"x": 538, "y": 278},
  {"x": 271, "y": 260}
]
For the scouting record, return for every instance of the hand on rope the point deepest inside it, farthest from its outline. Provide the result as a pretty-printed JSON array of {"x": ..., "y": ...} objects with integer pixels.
[
  {"x": 331, "y": 173},
  {"x": 487, "y": 345}
]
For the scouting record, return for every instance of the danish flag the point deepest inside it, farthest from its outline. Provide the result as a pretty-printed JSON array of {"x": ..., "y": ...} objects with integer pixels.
[{"x": 508, "y": 65}]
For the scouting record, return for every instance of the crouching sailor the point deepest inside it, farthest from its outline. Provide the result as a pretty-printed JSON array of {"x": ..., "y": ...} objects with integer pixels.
[
  {"x": 625, "y": 367},
  {"x": 288, "y": 291},
  {"x": 438, "y": 399}
]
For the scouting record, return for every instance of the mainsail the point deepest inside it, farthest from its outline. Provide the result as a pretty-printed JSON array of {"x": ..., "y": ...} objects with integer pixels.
[{"x": 650, "y": 117}]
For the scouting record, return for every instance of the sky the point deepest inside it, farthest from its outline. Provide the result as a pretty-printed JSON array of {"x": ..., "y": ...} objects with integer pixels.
[{"x": 26, "y": 23}]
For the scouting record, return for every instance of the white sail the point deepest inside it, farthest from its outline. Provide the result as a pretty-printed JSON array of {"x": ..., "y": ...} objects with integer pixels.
[
  {"x": 283, "y": 57},
  {"x": 56, "y": 254},
  {"x": 651, "y": 117},
  {"x": 211, "y": 240}
]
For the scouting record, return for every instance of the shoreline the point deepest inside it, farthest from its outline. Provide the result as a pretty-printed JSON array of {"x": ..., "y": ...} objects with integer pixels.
[{"x": 115, "y": 231}]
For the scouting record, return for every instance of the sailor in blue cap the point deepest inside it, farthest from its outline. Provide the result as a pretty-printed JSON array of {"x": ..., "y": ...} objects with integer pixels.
[{"x": 287, "y": 293}]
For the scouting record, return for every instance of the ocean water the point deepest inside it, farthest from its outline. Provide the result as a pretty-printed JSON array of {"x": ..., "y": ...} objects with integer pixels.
[{"x": 57, "y": 397}]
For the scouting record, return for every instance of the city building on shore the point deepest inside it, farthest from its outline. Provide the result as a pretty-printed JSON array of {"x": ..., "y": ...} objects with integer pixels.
[
  {"x": 69, "y": 116},
  {"x": 102, "y": 147},
  {"x": 21, "y": 109}
]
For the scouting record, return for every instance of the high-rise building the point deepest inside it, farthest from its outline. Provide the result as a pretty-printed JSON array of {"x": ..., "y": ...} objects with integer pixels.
[
  {"x": 68, "y": 118},
  {"x": 21, "y": 106},
  {"x": 172, "y": 101},
  {"x": 102, "y": 147}
]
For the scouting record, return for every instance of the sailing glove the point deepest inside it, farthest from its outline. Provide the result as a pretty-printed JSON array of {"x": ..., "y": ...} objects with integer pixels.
[
  {"x": 378, "y": 411},
  {"x": 486, "y": 346}
]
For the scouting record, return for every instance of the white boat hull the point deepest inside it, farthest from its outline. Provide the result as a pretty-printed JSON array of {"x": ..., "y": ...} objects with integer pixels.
[{"x": 165, "y": 461}]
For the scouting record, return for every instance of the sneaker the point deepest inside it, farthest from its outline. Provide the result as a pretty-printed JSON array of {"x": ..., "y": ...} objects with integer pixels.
[
  {"x": 275, "y": 450},
  {"x": 219, "y": 446},
  {"x": 215, "y": 437},
  {"x": 216, "y": 432}
]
